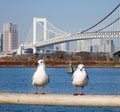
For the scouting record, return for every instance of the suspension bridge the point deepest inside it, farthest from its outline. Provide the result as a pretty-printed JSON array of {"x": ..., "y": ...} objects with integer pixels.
[{"x": 43, "y": 33}]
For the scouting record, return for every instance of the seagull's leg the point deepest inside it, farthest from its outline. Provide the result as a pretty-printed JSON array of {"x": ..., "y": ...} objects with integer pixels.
[
  {"x": 82, "y": 91},
  {"x": 76, "y": 89},
  {"x": 36, "y": 90},
  {"x": 43, "y": 90}
]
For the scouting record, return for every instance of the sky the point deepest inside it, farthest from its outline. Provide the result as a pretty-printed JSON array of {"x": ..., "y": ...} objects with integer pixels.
[{"x": 67, "y": 15}]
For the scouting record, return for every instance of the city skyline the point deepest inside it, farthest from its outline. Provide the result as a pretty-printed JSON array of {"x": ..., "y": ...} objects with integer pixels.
[
  {"x": 74, "y": 16},
  {"x": 97, "y": 45}
]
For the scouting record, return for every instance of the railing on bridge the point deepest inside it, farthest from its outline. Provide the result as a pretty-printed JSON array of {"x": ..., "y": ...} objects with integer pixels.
[{"x": 76, "y": 36}]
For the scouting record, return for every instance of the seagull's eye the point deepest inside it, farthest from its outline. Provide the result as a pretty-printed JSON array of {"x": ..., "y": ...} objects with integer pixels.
[{"x": 41, "y": 62}]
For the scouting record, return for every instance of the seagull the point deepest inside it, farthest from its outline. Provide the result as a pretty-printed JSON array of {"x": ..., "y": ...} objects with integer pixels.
[
  {"x": 40, "y": 78},
  {"x": 80, "y": 78}
]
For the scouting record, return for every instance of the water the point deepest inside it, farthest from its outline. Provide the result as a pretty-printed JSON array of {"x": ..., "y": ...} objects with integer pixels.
[{"x": 18, "y": 80}]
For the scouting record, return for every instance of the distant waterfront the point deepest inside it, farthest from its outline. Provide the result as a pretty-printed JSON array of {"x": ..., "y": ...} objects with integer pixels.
[
  {"x": 61, "y": 59},
  {"x": 57, "y": 63}
]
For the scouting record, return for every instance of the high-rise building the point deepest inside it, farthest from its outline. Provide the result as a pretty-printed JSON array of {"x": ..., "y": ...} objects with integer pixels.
[
  {"x": 10, "y": 36},
  {"x": 62, "y": 47},
  {"x": 82, "y": 45},
  {"x": 1, "y": 42},
  {"x": 97, "y": 45},
  {"x": 109, "y": 46}
]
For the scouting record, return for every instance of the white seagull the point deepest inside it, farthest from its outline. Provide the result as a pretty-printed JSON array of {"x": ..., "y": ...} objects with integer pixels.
[
  {"x": 40, "y": 78},
  {"x": 80, "y": 78}
]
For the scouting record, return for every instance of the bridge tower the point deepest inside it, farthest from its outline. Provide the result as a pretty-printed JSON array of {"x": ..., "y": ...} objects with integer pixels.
[{"x": 35, "y": 21}]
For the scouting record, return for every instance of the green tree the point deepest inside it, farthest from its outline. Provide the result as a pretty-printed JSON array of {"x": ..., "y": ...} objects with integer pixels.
[{"x": 117, "y": 54}]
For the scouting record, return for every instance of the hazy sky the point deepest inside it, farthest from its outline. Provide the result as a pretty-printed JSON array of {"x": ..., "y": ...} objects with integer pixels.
[{"x": 68, "y": 15}]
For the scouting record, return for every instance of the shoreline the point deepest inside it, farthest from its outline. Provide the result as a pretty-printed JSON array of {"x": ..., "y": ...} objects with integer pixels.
[
  {"x": 21, "y": 66},
  {"x": 58, "y": 64}
]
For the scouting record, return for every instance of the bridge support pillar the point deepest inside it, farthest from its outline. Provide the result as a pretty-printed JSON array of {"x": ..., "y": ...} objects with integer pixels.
[
  {"x": 34, "y": 50},
  {"x": 35, "y": 20},
  {"x": 20, "y": 50}
]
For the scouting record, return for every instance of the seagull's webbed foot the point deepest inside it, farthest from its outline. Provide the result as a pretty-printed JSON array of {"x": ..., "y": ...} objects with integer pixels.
[
  {"x": 75, "y": 94},
  {"x": 82, "y": 94},
  {"x": 43, "y": 93}
]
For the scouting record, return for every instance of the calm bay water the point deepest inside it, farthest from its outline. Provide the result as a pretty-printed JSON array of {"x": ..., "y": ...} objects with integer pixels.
[{"x": 18, "y": 80}]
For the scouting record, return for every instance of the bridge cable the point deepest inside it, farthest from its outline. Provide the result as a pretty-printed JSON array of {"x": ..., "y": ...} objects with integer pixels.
[
  {"x": 57, "y": 28},
  {"x": 108, "y": 25},
  {"x": 52, "y": 31},
  {"x": 102, "y": 19}
]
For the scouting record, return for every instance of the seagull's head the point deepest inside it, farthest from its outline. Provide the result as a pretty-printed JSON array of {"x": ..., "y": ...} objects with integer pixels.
[
  {"x": 81, "y": 67},
  {"x": 41, "y": 62}
]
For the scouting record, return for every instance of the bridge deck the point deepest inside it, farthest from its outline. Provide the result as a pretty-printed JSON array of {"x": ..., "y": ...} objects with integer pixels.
[{"x": 75, "y": 36}]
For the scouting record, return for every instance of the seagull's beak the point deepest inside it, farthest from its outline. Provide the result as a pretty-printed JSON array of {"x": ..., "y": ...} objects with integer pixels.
[{"x": 37, "y": 64}]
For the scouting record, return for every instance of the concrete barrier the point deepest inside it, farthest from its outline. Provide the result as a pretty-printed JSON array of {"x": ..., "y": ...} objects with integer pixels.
[{"x": 60, "y": 99}]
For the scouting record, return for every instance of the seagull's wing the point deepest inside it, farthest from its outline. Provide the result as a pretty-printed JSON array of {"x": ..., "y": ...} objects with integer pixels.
[
  {"x": 33, "y": 77},
  {"x": 48, "y": 79},
  {"x": 87, "y": 77},
  {"x": 73, "y": 76}
]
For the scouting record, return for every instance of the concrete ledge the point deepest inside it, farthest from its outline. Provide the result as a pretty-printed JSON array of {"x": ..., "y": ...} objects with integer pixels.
[{"x": 60, "y": 99}]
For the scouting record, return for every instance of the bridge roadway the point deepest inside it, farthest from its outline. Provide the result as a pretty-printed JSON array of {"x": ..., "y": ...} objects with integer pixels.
[{"x": 75, "y": 36}]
